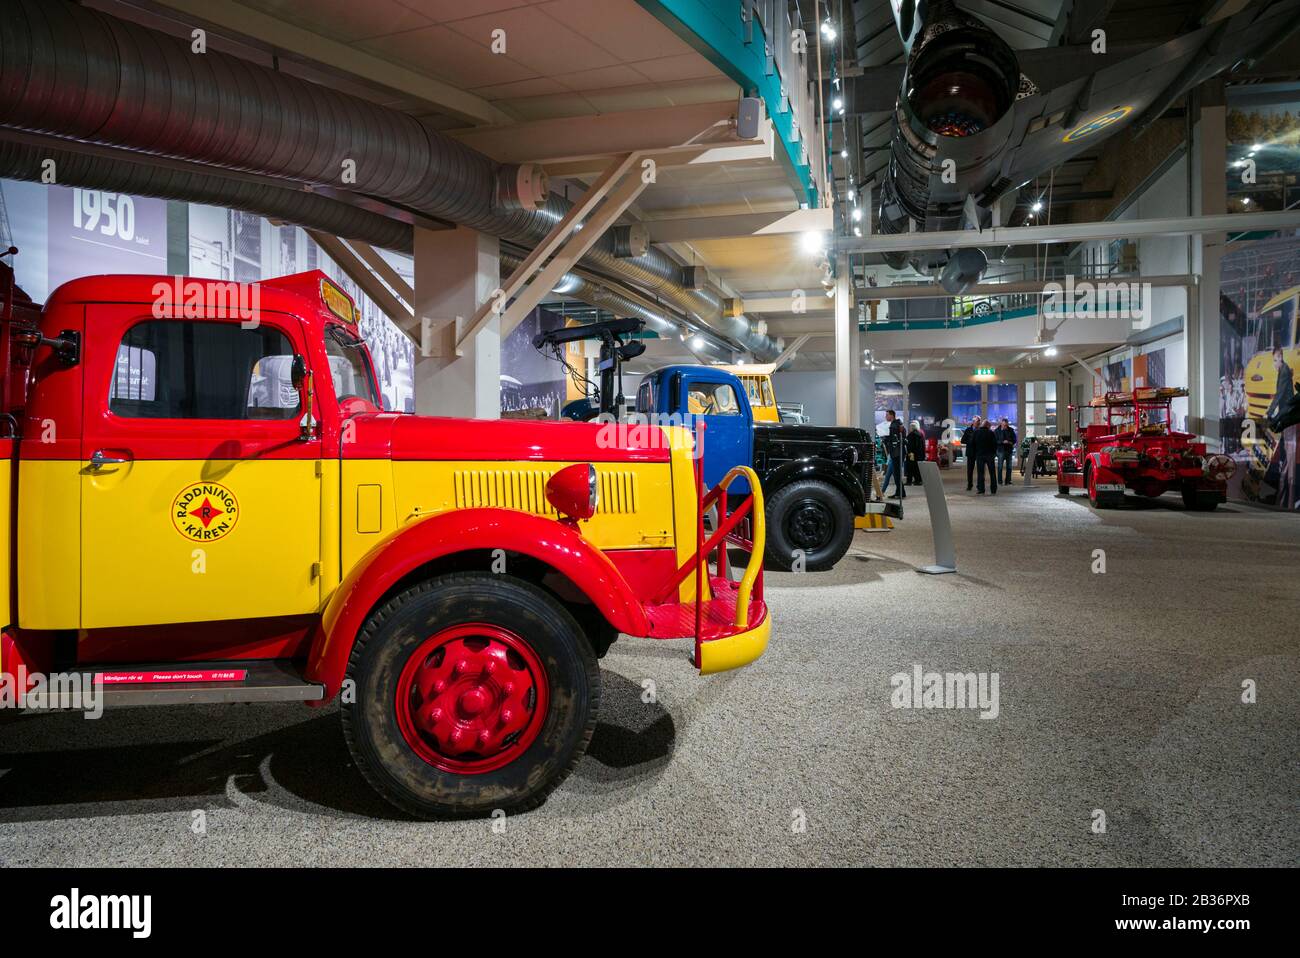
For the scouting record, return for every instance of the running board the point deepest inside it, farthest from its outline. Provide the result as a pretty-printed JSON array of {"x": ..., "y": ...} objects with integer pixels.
[{"x": 184, "y": 683}]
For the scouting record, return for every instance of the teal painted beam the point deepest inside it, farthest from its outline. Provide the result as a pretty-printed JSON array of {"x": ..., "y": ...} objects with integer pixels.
[{"x": 714, "y": 28}]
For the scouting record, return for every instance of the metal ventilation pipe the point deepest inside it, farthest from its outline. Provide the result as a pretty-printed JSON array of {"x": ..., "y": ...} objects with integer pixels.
[
  {"x": 20, "y": 161},
  {"x": 73, "y": 72}
]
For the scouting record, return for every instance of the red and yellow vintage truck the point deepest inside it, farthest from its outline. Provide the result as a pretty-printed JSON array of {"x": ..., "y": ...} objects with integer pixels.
[
  {"x": 208, "y": 504},
  {"x": 1131, "y": 444}
]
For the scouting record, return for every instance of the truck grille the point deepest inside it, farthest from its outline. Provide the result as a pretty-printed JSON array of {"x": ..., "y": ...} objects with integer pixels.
[{"x": 525, "y": 490}]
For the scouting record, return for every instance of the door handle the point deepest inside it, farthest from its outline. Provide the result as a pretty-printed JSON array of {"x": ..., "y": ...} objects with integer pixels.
[{"x": 99, "y": 460}]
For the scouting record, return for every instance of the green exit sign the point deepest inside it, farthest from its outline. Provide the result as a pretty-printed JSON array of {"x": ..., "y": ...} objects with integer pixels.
[{"x": 985, "y": 371}]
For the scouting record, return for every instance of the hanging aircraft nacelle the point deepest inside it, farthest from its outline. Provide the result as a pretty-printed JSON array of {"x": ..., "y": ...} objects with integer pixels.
[{"x": 952, "y": 123}]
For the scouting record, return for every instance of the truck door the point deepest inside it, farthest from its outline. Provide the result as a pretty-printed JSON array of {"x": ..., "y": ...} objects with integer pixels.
[
  {"x": 199, "y": 499},
  {"x": 728, "y": 425}
]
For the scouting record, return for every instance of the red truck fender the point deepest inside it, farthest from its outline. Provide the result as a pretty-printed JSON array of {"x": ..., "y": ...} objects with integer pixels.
[
  {"x": 557, "y": 545},
  {"x": 1100, "y": 463}
]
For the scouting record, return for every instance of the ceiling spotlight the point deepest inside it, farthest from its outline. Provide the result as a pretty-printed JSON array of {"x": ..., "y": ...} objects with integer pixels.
[
  {"x": 837, "y": 103},
  {"x": 1245, "y": 201},
  {"x": 857, "y": 214},
  {"x": 1049, "y": 351},
  {"x": 813, "y": 242},
  {"x": 857, "y": 231},
  {"x": 697, "y": 342},
  {"x": 828, "y": 30},
  {"x": 844, "y": 153},
  {"x": 1038, "y": 206}
]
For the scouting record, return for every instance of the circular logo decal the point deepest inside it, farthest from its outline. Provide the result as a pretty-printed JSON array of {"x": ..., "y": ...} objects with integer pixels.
[
  {"x": 205, "y": 511},
  {"x": 1099, "y": 123}
]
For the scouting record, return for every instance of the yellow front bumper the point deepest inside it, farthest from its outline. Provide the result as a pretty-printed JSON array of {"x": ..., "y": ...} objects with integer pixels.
[{"x": 720, "y": 655}]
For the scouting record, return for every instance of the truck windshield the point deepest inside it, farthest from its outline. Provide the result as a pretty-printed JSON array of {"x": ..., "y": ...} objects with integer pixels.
[{"x": 349, "y": 366}]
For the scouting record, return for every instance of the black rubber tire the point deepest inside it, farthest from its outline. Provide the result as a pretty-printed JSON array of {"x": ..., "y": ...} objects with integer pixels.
[
  {"x": 1200, "y": 501},
  {"x": 1062, "y": 490},
  {"x": 818, "y": 497},
  {"x": 399, "y": 626}
]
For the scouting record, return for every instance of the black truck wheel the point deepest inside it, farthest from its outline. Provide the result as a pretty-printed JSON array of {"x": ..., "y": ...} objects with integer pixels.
[
  {"x": 1200, "y": 500},
  {"x": 808, "y": 517},
  {"x": 473, "y": 692}
]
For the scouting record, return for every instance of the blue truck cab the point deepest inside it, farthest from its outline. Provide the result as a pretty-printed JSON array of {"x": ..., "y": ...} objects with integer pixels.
[{"x": 816, "y": 479}]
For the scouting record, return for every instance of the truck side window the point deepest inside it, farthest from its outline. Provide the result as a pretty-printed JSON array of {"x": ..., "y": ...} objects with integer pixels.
[
  {"x": 348, "y": 367},
  {"x": 712, "y": 399},
  {"x": 173, "y": 369},
  {"x": 645, "y": 398}
]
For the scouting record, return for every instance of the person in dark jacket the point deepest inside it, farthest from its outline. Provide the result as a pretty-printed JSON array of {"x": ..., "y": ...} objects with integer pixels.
[
  {"x": 1279, "y": 416},
  {"x": 1283, "y": 393},
  {"x": 969, "y": 453},
  {"x": 894, "y": 449},
  {"x": 915, "y": 454},
  {"x": 1006, "y": 437},
  {"x": 985, "y": 446}
]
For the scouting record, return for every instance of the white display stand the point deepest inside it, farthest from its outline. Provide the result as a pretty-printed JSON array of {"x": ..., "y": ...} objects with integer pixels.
[{"x": 945, "y": 557}]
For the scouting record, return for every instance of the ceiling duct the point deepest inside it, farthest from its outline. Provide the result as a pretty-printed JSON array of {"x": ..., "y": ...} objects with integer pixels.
[
  {"x": 74, "y": 72},
  {"x": 23, "y": 161}
]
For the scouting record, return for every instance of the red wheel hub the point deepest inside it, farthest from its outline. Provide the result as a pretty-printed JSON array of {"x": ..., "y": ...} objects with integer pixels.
[{"x": 472, "y": 698}]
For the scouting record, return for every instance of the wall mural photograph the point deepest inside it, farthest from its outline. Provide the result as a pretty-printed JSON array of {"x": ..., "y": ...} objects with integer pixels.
[{"x": 1259, "y": 353}]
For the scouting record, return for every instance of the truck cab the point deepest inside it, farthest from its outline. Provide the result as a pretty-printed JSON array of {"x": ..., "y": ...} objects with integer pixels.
[
  {"x": 816, "y": 480},
  {"x": 757, "y": 380},
  {"x": 211, "y": 505}
]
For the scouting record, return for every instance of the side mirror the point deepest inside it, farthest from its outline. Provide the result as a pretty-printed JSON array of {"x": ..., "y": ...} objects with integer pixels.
[{"x": 304, "y": 382}]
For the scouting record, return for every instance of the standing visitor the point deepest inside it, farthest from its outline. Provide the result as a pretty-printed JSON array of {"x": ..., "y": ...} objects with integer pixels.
[
  {"x": 894, "y": 449},
  {"x": 985, "y": 446},
  {"x": 969, "y": 451},
  {"x": 915, "y": 453},
  {"x": 1006, "y": 437}
]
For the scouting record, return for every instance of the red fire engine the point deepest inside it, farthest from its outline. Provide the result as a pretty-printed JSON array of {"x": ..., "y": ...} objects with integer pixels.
[
  {"x": 1135, "y": 447},
  {"x": 208, "y": 504}
]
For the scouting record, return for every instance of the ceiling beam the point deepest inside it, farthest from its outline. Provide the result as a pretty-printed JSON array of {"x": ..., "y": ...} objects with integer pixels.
[
  {"x": 1069, "y": 232},
  {"x": 685, "y": 230},
  {"x": 789, "y": 352},
  {"x": 783, "y": 304},
  {"x": 247, "y": 22},
  {"x": 602, "y": 136},
  {"x": 694, "y": 154}
]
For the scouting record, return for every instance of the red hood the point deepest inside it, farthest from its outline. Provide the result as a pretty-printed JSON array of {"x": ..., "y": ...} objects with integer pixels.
[{"x": 401, "y": 436}]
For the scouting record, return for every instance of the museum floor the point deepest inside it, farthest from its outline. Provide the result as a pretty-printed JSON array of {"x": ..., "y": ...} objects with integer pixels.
[{"x": 1119, "y": 692}]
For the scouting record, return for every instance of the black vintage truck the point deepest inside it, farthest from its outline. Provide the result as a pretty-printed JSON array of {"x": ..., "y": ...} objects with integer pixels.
[{"x": 816, "y": 479}]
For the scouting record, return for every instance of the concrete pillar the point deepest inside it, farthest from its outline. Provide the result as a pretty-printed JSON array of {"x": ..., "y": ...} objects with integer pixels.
[
  {"x": 848, "y": 353},
  {"x": 1209, "y": 155},
  {"x": 1064, "y": 425},
  {"x": 455, "y": 272},
  {"x": 867, "y": 406}
]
